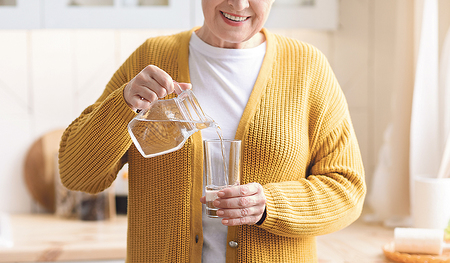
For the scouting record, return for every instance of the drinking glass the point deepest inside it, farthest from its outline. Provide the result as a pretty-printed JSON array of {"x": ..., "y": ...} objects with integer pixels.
[{"x": 222, "y": 169}]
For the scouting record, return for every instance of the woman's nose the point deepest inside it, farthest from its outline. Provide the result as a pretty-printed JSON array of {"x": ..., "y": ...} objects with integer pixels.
[{"x": 239, "y": 5}]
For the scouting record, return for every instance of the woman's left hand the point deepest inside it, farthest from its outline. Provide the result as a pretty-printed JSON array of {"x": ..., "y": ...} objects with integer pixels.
[{"x": 240, "y": 205}]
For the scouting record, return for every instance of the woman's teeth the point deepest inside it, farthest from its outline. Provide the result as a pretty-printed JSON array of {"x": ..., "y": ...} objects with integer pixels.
[{"x": 235, "y": 18}]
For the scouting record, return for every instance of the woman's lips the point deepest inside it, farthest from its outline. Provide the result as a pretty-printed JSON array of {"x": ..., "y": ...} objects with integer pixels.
[{"x": 234, "y": 18}]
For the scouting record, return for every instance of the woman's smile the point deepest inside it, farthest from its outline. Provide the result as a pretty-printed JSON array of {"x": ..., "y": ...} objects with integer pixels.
[{"x": 234, "y": 18}]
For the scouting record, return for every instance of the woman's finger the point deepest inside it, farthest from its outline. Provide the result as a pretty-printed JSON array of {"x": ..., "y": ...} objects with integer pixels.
[
  {"x": 240, "y": 190},
  {"x": 182, "y": 86},
  {"x": 239, "y": 202},
  {"x": 147, "y": 86},
  {"x": 249, "y": 220},
  {"x": 241, "y": 212},
  {"x": 162, "y": 83}
]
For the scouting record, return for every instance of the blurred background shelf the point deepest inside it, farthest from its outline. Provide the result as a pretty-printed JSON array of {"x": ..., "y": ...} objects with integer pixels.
[{"x": 151, "y": 14}]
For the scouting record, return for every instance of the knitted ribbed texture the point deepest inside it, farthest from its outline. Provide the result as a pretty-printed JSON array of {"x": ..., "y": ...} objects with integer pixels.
[{"x": 298, "y": 142}]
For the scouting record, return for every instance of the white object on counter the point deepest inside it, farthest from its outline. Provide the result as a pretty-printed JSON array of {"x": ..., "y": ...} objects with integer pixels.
[
  {"x": 419, "y": 241},
  {"x": 431, "y": 202},
  {"x": 5, "y": 231}
]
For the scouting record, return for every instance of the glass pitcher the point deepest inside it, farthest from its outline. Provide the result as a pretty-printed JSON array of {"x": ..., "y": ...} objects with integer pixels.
[{"x": 167, "y": 124}]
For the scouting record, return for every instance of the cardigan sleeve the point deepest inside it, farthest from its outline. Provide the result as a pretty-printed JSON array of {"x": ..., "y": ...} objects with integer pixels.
[
  {"x": 93, "y": 147},
  {"x": 331, "y": 194},
  {"x": 328, "y": 199}
]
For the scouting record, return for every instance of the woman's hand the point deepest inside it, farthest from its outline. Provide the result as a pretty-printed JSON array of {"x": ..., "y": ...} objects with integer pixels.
[
  {"x": 240, "y": 205},
  {"x": 149, "y": 85}
]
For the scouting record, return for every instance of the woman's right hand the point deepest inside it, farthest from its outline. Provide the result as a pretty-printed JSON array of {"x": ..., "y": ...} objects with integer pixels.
[{"x": 149, "y": 85}]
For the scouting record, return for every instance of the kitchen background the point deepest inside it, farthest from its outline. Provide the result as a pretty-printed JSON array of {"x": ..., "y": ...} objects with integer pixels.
[{"x": 49, "y": 75}]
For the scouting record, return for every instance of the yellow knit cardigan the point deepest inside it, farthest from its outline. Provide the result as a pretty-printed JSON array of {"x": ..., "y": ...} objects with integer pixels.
[{"x": 298, "y": 142}]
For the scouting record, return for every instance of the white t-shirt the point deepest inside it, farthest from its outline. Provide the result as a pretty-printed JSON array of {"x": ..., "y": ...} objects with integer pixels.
[{"x": 222, "y": 80}]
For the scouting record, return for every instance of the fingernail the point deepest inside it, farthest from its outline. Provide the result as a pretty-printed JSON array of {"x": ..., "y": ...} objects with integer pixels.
[
  {"x": 220, "y": 212},
  {"x": 224, "y": 221},
  {"x": 216, "y": 203},
  {"x": 220, "y": 194}
]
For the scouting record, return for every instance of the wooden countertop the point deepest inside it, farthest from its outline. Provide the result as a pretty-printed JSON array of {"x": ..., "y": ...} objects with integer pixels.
[
  {"x": 44, "y": 237},
  {"x": 358, "y": 243}
]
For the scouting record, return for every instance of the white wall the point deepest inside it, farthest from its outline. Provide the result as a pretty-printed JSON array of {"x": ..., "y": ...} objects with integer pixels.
[{"x": 47, "y": 77}]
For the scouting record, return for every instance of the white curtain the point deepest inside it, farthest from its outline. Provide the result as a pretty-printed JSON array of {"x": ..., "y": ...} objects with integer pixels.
[
  {"x": 389, "y": 193},
  {"x": 444, "y": 103},
  {"x": 425, "y": 128},
  {"x": 427, "y": 107}
]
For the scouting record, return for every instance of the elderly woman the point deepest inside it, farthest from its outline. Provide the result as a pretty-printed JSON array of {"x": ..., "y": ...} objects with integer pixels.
[{"x": 302, "y": 174}]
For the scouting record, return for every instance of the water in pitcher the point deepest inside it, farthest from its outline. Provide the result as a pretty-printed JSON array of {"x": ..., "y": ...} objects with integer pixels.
[
  {"x": 167, "y": 124},
  {"x": 157, "y": 137}
]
